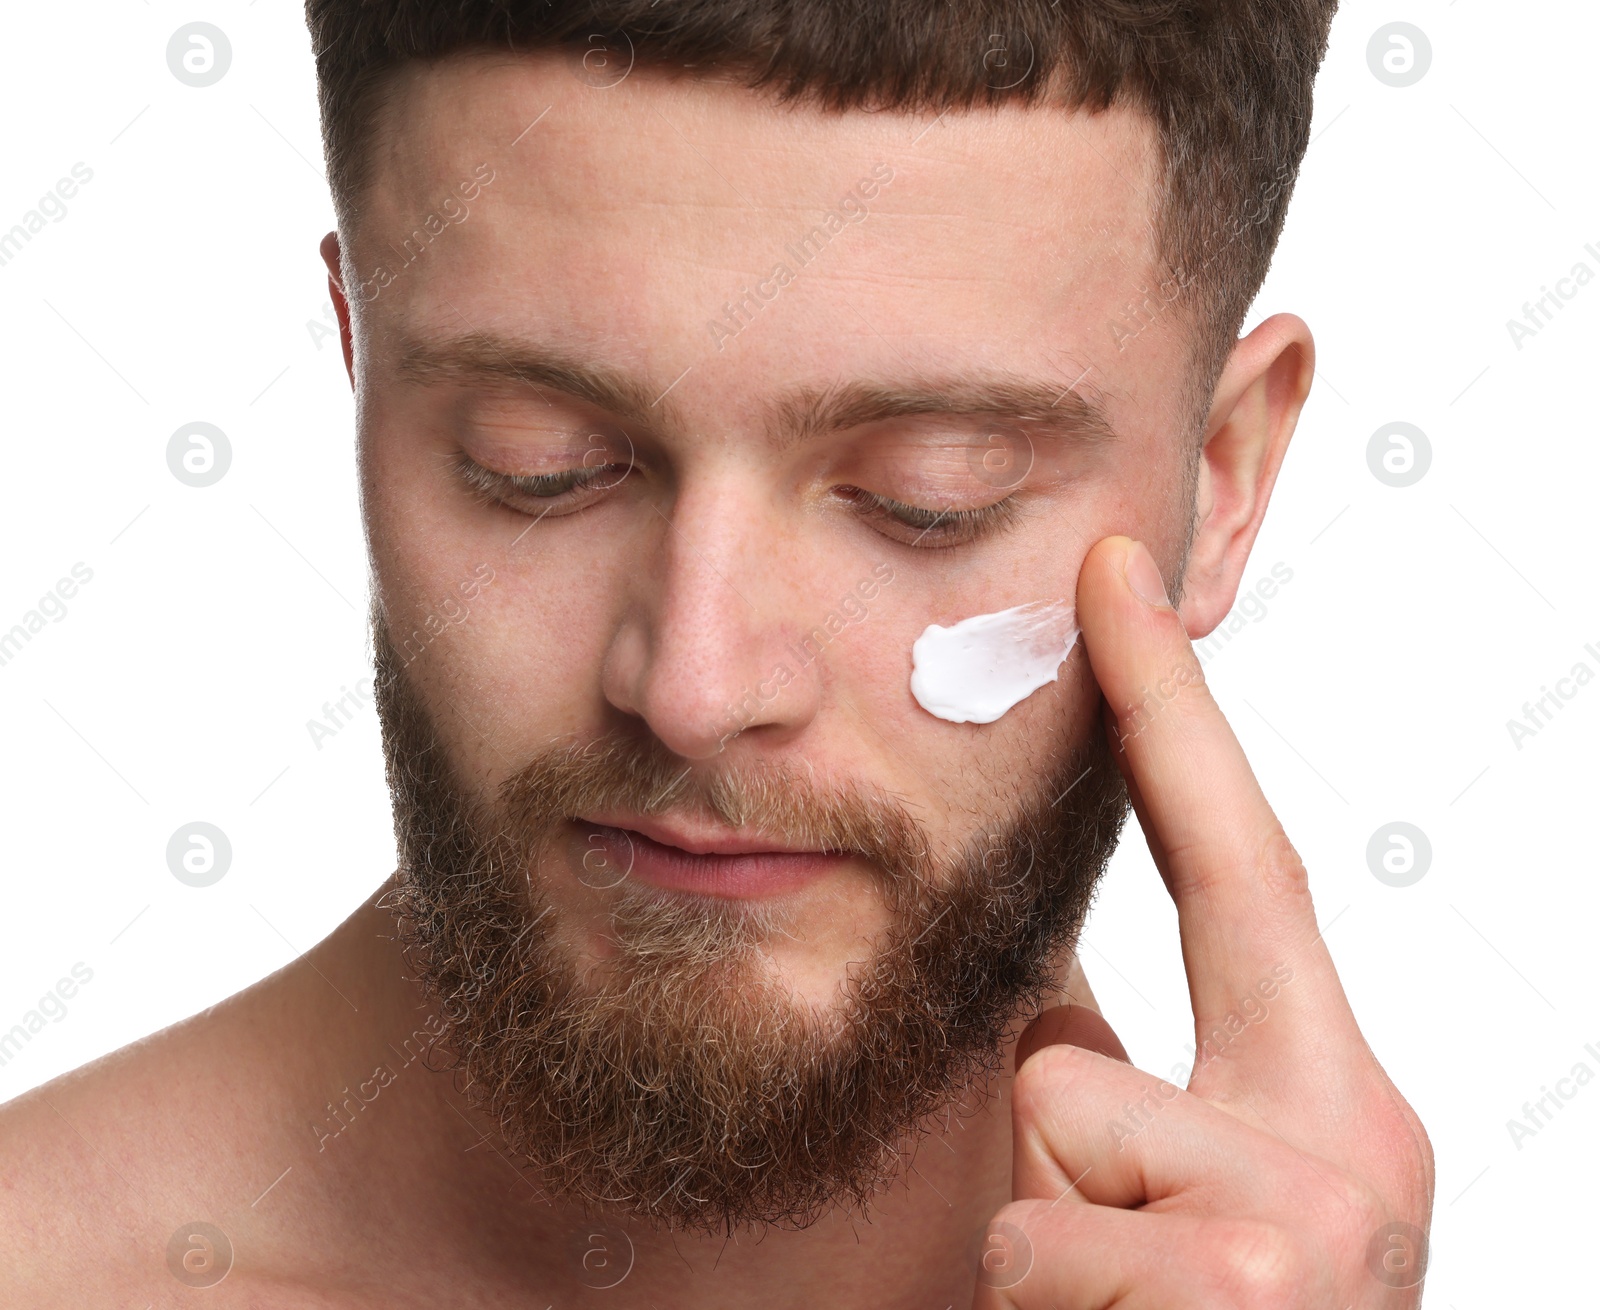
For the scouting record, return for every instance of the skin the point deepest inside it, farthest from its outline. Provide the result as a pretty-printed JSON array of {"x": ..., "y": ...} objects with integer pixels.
[{"x": 617, "y": 226}]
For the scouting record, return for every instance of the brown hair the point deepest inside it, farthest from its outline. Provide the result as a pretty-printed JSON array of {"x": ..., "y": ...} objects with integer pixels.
[{"x": 1227, "y": 83}]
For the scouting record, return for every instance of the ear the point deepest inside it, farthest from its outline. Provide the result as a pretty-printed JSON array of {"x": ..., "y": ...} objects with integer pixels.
[
  {"x": 341, "y": 306},
  {"x": 1253, "y": 414}
]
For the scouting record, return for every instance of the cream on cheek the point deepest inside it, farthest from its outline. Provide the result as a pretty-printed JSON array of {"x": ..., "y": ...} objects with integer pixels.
[{"x": 976, "y": 670}]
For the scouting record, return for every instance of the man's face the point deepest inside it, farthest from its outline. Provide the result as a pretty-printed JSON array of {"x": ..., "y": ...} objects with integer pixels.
[{"x": 743, "y": 493}]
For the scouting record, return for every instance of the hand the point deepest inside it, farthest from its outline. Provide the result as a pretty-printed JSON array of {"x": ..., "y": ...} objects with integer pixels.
[{"x": 1290, "y": 1174}]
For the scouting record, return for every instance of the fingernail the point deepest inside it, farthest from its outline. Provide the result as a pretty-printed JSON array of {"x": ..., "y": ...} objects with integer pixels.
[{"x": 1144, "y": 577}]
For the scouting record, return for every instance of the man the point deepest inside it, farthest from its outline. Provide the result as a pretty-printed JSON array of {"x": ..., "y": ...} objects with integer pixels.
[{"x": 713, "y": 360}]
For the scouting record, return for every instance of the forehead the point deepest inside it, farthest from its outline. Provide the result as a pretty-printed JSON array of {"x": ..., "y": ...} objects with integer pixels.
[{"x": 635, "y": 218}]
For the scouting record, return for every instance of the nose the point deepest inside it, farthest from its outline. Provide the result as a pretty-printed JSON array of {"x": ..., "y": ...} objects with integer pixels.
[{"x": 703, "y": 652}]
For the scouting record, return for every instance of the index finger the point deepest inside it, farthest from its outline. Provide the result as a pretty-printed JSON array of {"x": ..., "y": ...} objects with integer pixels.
[{"x": 1244, "y": 908}]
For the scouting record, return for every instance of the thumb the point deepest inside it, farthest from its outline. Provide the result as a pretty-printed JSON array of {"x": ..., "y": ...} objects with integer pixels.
[
  {"x": 1070, "y": 1025},
  {"x": 1035, "y": 1169}
]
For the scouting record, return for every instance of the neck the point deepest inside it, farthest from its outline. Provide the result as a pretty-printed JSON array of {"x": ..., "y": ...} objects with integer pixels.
[{"x": 430, "y": 1173}]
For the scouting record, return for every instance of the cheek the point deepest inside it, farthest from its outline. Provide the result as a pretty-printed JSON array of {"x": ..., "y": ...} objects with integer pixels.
[
  {"x": 539, "y": 634},
  {"x": 491, "y": 644},
  {"x": 917, "y": 753},
  {"x": 425, "y": 534}
]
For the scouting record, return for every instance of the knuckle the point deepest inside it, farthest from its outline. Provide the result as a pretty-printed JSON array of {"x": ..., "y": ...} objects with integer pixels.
[
  {"x": 1425, "y": 1145},
  {"x": 1280, "y": 870},
  {"x": 1340, "y": 1213},
  {"x": 1205, "y": 865},
  {"x": 1405, "y": 1146},
  {"x": 1348, "y": 1214},
  {"x": 1397, "y": 1149},
  {"x": 1257, "y": 1265},
  {"x": 1412, "y": 1134},
  {"x": 1196, "y": 872}
]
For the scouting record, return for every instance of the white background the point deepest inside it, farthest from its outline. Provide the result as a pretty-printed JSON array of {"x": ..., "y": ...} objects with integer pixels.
[{"x": 183, "y": 284}]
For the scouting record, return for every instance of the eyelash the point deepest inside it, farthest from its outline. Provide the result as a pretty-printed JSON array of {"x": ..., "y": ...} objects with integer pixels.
[
  {"x": 492, "y": 487},
  {"x": 934, "y": 528}
]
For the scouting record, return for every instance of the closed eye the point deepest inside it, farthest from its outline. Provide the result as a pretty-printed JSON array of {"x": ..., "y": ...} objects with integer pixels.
[
  {"x": 916, "y": 525},
  {"x": 544, "y": 493}
]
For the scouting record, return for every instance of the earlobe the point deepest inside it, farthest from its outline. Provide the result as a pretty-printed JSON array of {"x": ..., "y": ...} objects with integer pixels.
[
  {"x": 1257, "y": 403},
  {"x": 341, "y": 305}
]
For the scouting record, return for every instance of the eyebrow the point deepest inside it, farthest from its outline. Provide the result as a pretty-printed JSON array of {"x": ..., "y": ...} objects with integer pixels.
[{"x": 1043, "y": 407}]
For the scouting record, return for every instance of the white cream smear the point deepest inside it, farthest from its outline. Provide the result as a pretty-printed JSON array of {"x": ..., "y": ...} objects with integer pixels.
[{"x": 978, "y": 669}]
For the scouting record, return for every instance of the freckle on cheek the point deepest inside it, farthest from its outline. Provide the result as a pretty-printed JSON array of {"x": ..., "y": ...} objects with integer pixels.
[{"x": 981, "y": 667}]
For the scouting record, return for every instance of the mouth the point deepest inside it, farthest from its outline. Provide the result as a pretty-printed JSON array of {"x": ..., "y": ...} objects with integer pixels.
[{"x": 703, "y": 859}]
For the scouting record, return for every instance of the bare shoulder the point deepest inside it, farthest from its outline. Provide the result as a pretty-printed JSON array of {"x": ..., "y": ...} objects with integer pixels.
[
  {"x": 113, "y": 1176},
  {"x": 195, "y": 1158}
]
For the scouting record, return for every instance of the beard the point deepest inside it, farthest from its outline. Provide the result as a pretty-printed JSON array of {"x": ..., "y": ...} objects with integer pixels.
[{"x": 679, "y": 1081}]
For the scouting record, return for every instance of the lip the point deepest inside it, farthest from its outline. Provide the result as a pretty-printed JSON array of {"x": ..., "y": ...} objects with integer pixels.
[
  {"x": 704, "y": 859},
  {"x": 697, "y": 839}
]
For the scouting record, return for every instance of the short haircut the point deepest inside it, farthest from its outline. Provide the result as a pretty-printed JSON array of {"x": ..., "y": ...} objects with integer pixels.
[{"x": 1227, "y": 83}]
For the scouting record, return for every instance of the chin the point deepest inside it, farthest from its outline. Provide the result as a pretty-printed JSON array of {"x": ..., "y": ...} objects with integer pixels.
[{"x": 794, "y": 945}]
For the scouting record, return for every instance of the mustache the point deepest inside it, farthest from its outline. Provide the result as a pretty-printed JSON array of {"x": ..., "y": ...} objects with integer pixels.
[{"x": 639, "y": 775}]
